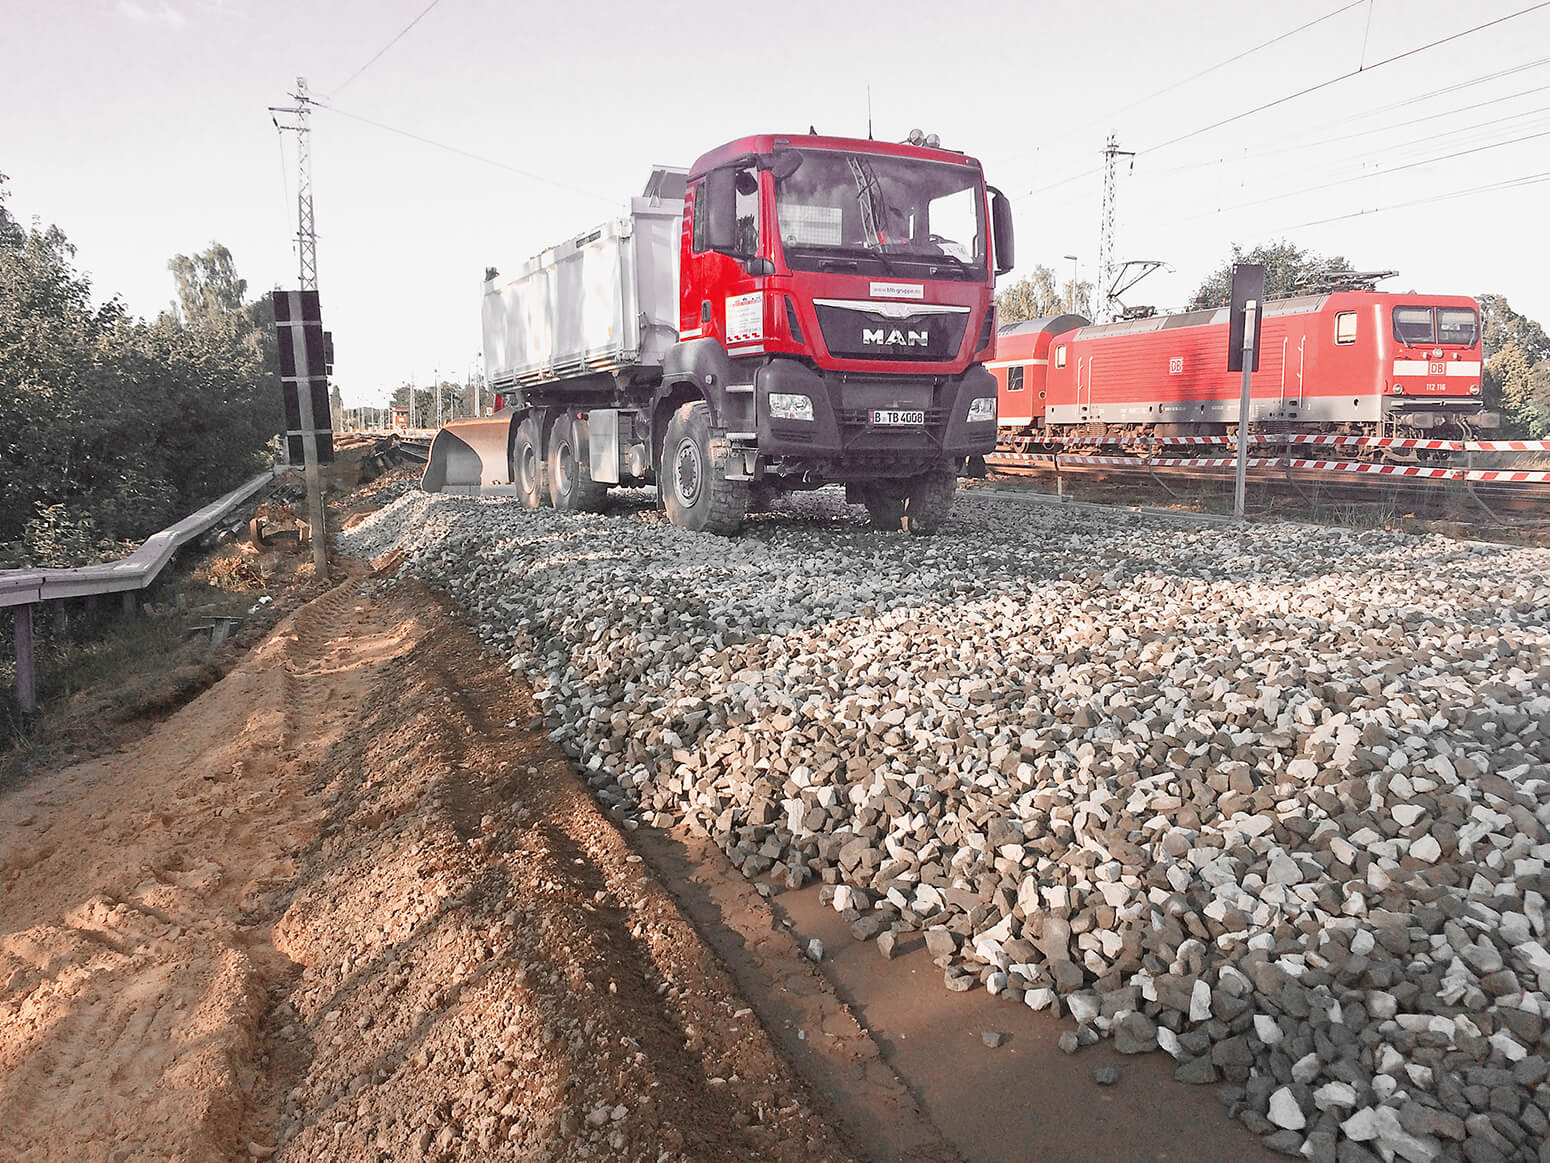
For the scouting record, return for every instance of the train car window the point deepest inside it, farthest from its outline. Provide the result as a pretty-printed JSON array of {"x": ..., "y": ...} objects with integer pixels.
[
  {"x": 1457, "y": 325},
  {"x": 1060, "y": 356},
  {"x": 1014, "y": 378},
  {"x": 1345, "y": 327},
  {"x": 1414, "y": 325}
]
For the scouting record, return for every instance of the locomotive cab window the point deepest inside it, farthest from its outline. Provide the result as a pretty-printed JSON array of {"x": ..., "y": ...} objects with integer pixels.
[
  {"x": 1345, "y": 327},
  {"x": 1414, "y": 325},
  {"x": 1060, "y": 356},
  {"x": 1455, "y": 326},
  {"x": 1014, "y": 378}
]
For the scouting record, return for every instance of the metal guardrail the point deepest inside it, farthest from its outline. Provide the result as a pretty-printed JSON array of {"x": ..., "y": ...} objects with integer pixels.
[{"x": 23, "y": 589}]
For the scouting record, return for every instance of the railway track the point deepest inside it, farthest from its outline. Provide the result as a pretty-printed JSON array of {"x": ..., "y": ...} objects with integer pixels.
[{"x": 1522, "y": 493}]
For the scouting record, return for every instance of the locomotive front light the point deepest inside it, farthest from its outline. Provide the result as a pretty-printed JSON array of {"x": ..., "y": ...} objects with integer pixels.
[
  {"x": 982, "y": 409},
  {"x": 790, "y": 406},
  {"x": 1474, "y": 389},
  {"x": 1399, "y": 389}
]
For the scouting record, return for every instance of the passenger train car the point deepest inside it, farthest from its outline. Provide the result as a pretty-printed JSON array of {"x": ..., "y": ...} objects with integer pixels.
[{"x": 1357, "y": 362}]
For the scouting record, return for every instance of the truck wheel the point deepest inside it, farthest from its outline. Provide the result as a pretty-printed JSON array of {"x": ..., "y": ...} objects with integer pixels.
[
  {"x": 527, "y": 463},
  {"x": 695, "y": 491},
  {"x": 571, "y": 487},
  {"x": 928, "y": 500},
  {"x": 885, "y": 506}
]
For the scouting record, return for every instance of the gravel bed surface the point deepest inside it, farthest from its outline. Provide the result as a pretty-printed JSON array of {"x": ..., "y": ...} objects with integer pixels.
[{"x": 1274, "y": 800}]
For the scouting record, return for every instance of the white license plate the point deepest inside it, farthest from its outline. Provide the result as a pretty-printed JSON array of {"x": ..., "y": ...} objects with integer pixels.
[{"x": 894, "y": 416}]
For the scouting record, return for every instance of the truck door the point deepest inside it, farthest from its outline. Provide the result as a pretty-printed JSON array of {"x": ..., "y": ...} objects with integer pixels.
[{"x": 720, "y": 298}]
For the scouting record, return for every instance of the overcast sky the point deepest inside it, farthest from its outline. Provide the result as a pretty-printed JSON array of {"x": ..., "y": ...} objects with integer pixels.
[{"x": 140, "y": 127}]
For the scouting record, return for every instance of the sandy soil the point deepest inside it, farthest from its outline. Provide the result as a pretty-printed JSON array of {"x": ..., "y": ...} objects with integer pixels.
[{"x": 339, "y": 906}]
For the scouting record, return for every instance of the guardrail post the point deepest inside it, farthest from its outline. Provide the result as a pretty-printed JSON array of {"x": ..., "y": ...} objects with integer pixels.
[{"x": 26, "y": 672}]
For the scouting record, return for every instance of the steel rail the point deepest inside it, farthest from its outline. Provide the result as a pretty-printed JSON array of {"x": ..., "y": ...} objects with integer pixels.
[
  {"x": 1408, "y": 471},
  {"x": 1285, "y": 438}
]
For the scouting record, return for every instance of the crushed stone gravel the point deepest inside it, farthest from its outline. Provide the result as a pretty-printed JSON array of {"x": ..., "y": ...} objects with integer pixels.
[{"x": 1272, "y": 798}]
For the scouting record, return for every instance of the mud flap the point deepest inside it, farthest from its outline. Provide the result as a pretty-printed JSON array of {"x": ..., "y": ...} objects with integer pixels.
[{"x": 472, "y": 457}]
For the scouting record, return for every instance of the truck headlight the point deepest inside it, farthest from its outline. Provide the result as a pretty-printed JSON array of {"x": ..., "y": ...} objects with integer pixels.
[
  {"x": 790, "y": 406},
  {"x": 983, "y": 408}
]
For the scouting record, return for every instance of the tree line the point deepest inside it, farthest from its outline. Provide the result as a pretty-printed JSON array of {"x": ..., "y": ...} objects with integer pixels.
[
  {"x": 1516, "y": 349},
  {"x": 112, "y": 427}
]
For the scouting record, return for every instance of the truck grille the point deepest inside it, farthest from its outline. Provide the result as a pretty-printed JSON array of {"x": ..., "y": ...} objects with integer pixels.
[{"x": 858, "y": 334}]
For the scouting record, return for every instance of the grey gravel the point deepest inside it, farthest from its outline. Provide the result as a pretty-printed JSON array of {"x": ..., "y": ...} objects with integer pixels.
[{"x": 1277, "y": 798}]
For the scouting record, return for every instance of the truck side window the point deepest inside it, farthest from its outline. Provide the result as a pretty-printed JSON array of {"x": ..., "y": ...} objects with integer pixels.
[
  {"x": 747, "y": 212},
  {"x": 1060, "y": 356},
  {"x": 1345, "y": 327},
  {"x": 697, "y": 242},
  {"x": 1014, "y": 378}
]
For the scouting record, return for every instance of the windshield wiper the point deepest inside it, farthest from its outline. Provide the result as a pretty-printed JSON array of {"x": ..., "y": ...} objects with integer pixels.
[
  {"x": 959, "y": 265},
  {"x": 877, "y": 253}
]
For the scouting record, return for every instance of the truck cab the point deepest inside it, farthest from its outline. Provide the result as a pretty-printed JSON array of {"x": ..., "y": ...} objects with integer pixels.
[{"x": 835, "y": 310}]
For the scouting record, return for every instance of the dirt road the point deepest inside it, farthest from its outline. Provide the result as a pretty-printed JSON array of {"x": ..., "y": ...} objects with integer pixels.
[{"x": 345, "y": 905}]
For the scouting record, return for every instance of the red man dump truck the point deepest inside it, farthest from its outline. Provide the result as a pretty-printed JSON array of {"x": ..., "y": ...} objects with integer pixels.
[{"x": 790, "y": 312}]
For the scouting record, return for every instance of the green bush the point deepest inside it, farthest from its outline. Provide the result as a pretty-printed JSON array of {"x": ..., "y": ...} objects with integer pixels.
[{"x": 111, "y": 427}]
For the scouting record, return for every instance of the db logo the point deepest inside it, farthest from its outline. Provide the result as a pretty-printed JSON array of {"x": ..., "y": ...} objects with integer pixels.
[
  {"x": 1435, "y": 368},
  {"x": 1176, "y": 366}
]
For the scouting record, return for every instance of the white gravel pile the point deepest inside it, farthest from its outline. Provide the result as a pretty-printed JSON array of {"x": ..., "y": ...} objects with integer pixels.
[{"x": 1274, "y": 800}]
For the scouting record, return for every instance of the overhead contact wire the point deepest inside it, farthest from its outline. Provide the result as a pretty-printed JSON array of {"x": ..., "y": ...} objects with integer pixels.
[
  {"x": 548, "y": 181},
  {"x": 378, "y": 54},
  {"x": 1346, "y": 76}
]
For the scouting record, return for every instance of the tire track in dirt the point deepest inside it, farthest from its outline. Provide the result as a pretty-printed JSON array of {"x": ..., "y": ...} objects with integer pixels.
[
  {"x": 488, "y": 972},
  {"x": 338, "y": 907},
  {"x": 134, "y": 898}
]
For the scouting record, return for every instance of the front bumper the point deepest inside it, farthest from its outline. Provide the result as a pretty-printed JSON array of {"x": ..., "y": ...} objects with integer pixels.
[{"x": 840, "y": 439}]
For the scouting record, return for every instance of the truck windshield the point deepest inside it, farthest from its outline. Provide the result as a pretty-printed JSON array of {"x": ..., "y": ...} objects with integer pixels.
[
  {"x": 891, "y": 210},
  {"x": 1454, "y": 326}
]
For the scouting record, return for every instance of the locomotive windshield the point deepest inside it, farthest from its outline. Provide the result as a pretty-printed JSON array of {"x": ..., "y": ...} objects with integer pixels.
[
  {"x": 840, "y": 210},
  {"x": 1421, "y": 326}
]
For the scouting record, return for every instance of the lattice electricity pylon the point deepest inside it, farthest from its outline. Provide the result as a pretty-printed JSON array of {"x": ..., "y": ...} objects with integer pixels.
[
  {"x": 1111, "y": 150},
  {"x": 306, "y": 232}
]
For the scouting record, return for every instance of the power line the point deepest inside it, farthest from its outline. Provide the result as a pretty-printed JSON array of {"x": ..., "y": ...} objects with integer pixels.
[
  {"x": 1326, "y": 84},
  {"x": 401, "y": 33},
  {"x": 1069, "y": 134},
  {"x": 1409, "y": 102},
  {"x": 470, "y": 155},
  {"x": 1489, "y": 187},
  {"x": 1374, "y": 174},
  {"x": 1431, "y": 139},
  {"x": 1347, "y": 76}
]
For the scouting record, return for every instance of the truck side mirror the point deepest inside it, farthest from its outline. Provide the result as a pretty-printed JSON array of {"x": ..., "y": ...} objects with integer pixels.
[
  {"x": 719, "y": 196},
  {"x": 1001, "y": 226}
]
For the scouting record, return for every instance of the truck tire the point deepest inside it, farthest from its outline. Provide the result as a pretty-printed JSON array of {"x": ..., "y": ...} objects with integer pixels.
[
  {"x": 694, "y": 487},
  {"x": 527, "y": 463},
  {"x": 571, "y": 487},
  {"x": 928, "y": 500},
  {"x": 885, "y": 506}
]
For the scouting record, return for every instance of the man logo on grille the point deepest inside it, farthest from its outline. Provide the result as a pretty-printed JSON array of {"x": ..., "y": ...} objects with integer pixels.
[{"x": 895, "y": 338}]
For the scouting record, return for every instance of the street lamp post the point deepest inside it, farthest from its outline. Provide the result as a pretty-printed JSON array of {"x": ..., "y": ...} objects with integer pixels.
[{"x": 1071, "y": 298}]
